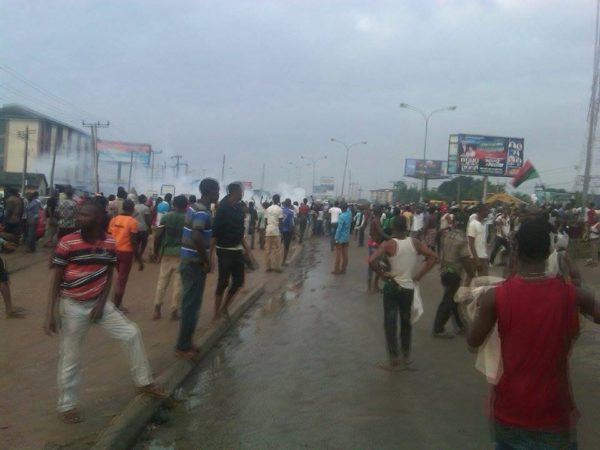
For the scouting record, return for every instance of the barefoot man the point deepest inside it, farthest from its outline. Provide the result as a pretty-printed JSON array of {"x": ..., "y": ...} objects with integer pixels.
[
  {"x": 82, "y": 270},
  {"x": 403, "y": 254}
]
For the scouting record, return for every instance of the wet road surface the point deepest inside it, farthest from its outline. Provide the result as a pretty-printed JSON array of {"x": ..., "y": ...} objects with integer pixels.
[{"x": 299, "y": 371}]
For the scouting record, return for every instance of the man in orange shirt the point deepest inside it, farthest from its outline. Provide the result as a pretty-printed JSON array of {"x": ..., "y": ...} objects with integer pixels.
[{"x": 124, "y": 229}]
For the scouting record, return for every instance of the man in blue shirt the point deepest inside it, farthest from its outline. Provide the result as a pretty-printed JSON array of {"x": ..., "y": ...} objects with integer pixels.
[
  {"x": 287, "y": 228},
  {"x": 342, "y": 238},
  {"x": 195, "y": 264}
]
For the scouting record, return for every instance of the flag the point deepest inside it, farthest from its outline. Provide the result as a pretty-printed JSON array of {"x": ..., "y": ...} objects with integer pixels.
[{"x": 527, "y": 172}]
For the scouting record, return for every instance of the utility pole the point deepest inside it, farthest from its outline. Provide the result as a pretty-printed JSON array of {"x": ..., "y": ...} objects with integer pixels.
[
  {"x": 314, "y": 164},
  {"x": 25, "y": 136},
  {"x": 94, "y": 128},
  {"x": 130, "y": 172},
  {"x": 177, "y": 164},
  {"x": 593, "y": 112},
  {"x": 223, "y": 170},
  {"x": 153, "y": 154},
  {"x": 187, "y": 166}
]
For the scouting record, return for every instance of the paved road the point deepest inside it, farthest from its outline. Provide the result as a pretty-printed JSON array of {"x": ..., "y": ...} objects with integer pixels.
[{"x": 299, "y": 372}]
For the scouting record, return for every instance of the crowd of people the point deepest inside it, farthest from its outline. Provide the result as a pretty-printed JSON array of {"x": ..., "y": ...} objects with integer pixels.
[{"x": 97, "y": 240}]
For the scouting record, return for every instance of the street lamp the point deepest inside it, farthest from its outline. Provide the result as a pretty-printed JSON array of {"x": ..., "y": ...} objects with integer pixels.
[
  {"x": 348, "y": 147},
  {"x": 426, "y": 117},
  {"x": 313, "y": 161}
]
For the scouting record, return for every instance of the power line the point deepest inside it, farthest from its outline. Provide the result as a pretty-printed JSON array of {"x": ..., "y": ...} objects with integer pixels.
[{"x": 43, "y": 91}]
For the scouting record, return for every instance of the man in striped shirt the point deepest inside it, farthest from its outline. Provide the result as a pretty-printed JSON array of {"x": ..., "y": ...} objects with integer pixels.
[
  {"x": 82, "y": 266},
  {"x": 196, "y": 262}
]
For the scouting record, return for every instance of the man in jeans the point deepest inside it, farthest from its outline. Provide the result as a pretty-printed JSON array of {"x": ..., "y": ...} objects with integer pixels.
[
  {"x": 196, "y": 262},
  {"x": 398, "y": 293},
  {"x": 167, "y": 249},
  {"x": 502, "y": 234},
  {"x": 455, "y": 261},
  {"x": 228, "y": 233},
  {"x": 82, "y": 270},
  {"x": 287, "y": 228},
  {"x": 334, "y": 213}
]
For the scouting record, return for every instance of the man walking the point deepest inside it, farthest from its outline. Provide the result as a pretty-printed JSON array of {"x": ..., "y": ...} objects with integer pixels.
[
  {"x": 477, "y": 237},
  {"x": 342, "y": 239},
  {"x": 82, "y": 269},
  {"x": 502, "y": 234},
  {"x": 274, "y": 215},
  {"x": 455, "y": 261},
  {"x": 196, "y": 262},
  {"x": 124, "y": 229},
  {"x": 334, "y": 214},
  {"x": 287, "y": 228},
  {"x": 167, "y": 249},
  {"x": 262, "y": 225},
  {"x": 398, "y": 292},
  {"x": 142, "y": 214},
  {"x": 228, "y": 233},
  {"x": 67, "y": 214},
  {"x": 252, "y": 220},
  {"x": 303, "y": 211},
  {"x": 32, "y": 213},
  {"x": 13, "y": 212}
]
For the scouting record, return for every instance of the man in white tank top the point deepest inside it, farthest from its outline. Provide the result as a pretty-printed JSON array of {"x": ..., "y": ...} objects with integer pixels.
[{"x": 404, "y": 254}]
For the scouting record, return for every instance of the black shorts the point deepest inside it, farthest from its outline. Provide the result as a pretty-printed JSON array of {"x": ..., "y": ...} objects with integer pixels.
[
  {"x": 231, "y": 265},
  {"x": 3, "y": 272}
]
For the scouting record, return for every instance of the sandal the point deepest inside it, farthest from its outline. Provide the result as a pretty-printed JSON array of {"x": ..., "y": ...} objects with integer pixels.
[
  {"x": 153, "y": 390},
  {"x": 70, "y": 417}
]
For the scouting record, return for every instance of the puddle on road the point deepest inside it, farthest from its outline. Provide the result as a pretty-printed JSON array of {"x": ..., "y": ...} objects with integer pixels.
[{"x": 192, "y": 393}]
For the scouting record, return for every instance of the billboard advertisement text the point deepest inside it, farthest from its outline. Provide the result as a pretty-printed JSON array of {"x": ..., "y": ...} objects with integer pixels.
[{"x": 470, "y": 154}]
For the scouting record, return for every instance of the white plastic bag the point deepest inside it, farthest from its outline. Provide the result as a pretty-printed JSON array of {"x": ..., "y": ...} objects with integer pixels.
[
  {"x": 417, "y": 306},
  {"x": 489, "y": 356}
]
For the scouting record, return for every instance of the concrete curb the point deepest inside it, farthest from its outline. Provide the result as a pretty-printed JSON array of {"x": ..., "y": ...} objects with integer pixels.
[{"x": 123, "y": 430}]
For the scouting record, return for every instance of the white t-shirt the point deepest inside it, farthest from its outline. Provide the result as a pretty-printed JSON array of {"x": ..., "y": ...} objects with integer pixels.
[
  {"x": 502, "y": 226},
  {"x": 141, "y": 211},
  {"x": 476, "y": 230},
  {"x": 273, "y": 214},
  {"x": 334, "y": 213},
  {"x": 446, "y": 221},
  {"x": 418, "y": 222}
]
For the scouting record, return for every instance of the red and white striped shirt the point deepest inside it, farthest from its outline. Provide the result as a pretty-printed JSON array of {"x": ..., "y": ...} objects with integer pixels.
[{"x": 86, "y": 265}]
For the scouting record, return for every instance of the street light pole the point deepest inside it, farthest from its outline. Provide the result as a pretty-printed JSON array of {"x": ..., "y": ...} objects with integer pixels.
[
  {"x": 426, "y": 117},
  {"x": 348, "y": 147},
  {"x": 314, "y": 164}
]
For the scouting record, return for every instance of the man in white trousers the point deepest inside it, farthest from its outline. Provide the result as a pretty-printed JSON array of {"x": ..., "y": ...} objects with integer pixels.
[{"x": 82, "y": 270}]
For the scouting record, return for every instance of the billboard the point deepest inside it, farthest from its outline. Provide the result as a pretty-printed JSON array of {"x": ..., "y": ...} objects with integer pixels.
[
  {"x": 121, "y": 152},
  {"x": 471, "y": 154},
  {"x": 327, "y": 186},
  {"x": 425, "y": 168}
]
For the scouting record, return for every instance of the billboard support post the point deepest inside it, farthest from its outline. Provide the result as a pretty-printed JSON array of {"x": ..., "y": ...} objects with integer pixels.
[
  {"x": 458, "y": 183},
  {"x": 485, "y": 188}
]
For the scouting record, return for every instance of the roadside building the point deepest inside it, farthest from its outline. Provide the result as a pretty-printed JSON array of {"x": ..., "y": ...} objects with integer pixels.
[{"x": 48, "y": 138}]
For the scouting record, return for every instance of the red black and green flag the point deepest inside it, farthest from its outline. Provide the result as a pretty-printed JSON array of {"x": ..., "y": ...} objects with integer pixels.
[{"x": 525, "y": 173}]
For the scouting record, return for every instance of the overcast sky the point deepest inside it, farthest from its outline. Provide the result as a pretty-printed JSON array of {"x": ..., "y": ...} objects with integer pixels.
[{"x": 268, "y": 81}]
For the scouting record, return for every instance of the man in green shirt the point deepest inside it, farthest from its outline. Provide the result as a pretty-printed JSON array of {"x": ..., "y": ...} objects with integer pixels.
[{"x": 167, "y": 248}]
